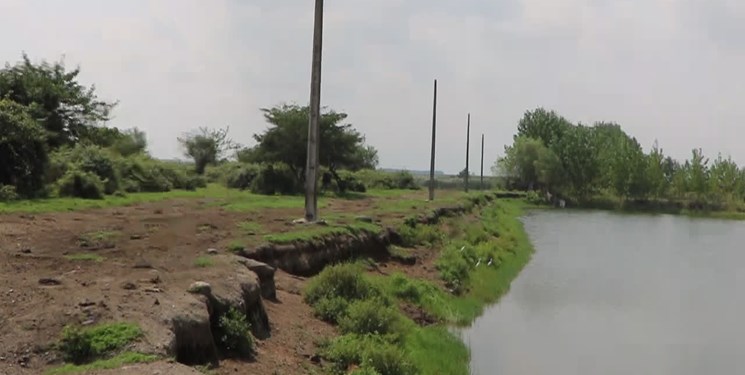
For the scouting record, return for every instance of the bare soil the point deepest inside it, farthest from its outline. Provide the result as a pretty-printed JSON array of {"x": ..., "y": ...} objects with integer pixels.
[{"x": 149, "y": 252}]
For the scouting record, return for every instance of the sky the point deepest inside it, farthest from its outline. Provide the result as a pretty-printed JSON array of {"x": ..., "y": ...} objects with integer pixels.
[{"x": 666, "y": 70}]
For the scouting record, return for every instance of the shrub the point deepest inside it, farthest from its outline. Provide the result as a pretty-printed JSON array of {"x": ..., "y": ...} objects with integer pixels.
[
  {"x": 8, "y": 193},
  {"x": 243, "y": 177},
  {"x": 454, "y": 266},
  {"x": 76, "y": 183},
  {"x": 81, "y": 345},
  {"x": 331, "y": 309},
  {"x": 344, "y": 281},
  {"x": 375, "y": 179},
  {"x": 370, "y": 316},
  {"x": 274, "y": 179},
  {"x": 143, "y": 174},
  {"x": 235, "y": 333},
  {"x": 371, "y": 352},
  {"x": 365, "y": 371},
  {"x": 415, "y": 235},
  {"x": 346, "y": 182}
]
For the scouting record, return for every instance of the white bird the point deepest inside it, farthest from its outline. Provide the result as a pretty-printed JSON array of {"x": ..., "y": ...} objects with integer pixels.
[
  {"x": 462, "y": 248},
  {"x": 479, "y": 262},
  {"x": 490, "y": 262}
]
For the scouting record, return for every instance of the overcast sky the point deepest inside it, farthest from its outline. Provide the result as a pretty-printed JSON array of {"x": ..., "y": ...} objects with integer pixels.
[{"x": 670, "y": 70}]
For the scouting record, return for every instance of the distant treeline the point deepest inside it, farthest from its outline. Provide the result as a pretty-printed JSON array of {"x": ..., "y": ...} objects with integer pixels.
[
  {"x": 54, "y": 142},
  {"x": 580, "y": 162}
]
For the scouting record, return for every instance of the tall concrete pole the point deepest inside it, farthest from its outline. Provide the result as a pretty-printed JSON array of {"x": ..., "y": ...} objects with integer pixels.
[
  {"x": 311, "y": 168},
  {"x": 468, "y": 145},
  {"x": 432, "y": 161},
  {"x": 481, "y": 184}
]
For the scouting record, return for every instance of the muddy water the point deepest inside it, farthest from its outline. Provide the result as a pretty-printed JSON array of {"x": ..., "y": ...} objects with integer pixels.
[{"x": 620, "y": 294}]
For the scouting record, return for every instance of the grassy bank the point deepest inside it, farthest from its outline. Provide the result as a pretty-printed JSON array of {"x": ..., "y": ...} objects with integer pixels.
[
  {"x": 724, "y": 209},
  {"x": 478, "y": 257}
]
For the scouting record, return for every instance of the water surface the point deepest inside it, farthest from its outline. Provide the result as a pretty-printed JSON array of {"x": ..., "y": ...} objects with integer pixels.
[{"x": 613, "y": 294}]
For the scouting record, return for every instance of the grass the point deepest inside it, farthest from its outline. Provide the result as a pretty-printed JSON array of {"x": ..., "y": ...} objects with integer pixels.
[
  {"x": 377, "y": 336},
  {"x": 85, "y": 257},
  {"x": 250, "y": 227},
  {"x": 236, "y": 246},
  {"x": 81, "y": 346},
  {"x": 204, "y": 262},
  {"x": 98, "y": 238},
  {"x": 118, "y": 361},
  {"x": 310, "y": 233}
]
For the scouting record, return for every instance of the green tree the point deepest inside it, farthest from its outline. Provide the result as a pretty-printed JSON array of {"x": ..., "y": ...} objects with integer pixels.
[
  {"x": 67, "y": 110},
  {"x": 23, "y": 149},
  {"x": 655, "y": 172},
  {"x": 531, "y": 164},
  {"x": 206, "y": 146},
  {"x": 577, "y": 151},
  {"x": 698, "y": 174},
  {"x": 130, "y": 142},
  {"x": 286, "y": 140},
  {"x": 543, "y": 125},
  {"x": 724, "y": 178}
]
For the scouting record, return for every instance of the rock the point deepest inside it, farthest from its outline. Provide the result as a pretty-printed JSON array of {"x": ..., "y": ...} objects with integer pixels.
[
  {"x": 49, "y": 281},
  {"x": 212, "y": 251},
  {"x": 200, "y": 287},
  {"x": 153, "y": 290},
  {"x": 193, "y": 343},
  {"x": 89, "y": 322},
  {"x": 128, "y": 285},
  {"x": 315, "y": 358},
  {"x": 142, "y": 263},
  {"x": 300, "y": 221},
  {"x": 266, "y": 276},
  {"x": 243, "y": 294},
  {"x": 86, "y": 302},
  {"x": 25, "y": 251},
  {"x": 135, "y": 237}
]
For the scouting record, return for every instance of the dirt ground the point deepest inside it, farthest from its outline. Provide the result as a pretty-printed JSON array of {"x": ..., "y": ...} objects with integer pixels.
[{"x": 148, "y": 261}]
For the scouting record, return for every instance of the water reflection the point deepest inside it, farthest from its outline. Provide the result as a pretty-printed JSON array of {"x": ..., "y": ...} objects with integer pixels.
[{"x": 619, "y": 294}]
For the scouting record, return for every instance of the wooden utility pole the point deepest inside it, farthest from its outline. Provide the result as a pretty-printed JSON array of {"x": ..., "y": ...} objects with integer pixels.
[
  {"x": 481, "y": 183},
  {"x": 311, "y": 168},
  {"x": 432, "y": 160},
  {"x": 468, "y": 145}
]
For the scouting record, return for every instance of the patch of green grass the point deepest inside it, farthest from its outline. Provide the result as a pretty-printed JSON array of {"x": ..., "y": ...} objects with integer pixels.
[
  {"x": 204, "y": 262},
  {"x": 99, "y": 238},
  {"x": 250, "y": 227},
  {"x": 84, "y": 257},
  {"x": 116, "y": 362},
  {"x": 313, "y": 232},
  {"x": 434, "y": 350},
  {"x": 82, "y": 345},
  {"x": 234, "y": 334},
  {"x": 236, "y": 246}
]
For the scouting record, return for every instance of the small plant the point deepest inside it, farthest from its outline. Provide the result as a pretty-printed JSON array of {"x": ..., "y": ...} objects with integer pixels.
[
  {"x": 98, "y": 239},
  {"x": 428, "y": 235},
  {"x": 235, "y": 333},
  {"x": 204, "y": 262},
  {"x": 75, "y": 345},
  {"x": 331, "y": 309},
  {"x": 374, "y": 354},
  {"x": 236, "y": 246},
  {"x": 344, "y": 281},
  {"x": 8, "y": 193}
]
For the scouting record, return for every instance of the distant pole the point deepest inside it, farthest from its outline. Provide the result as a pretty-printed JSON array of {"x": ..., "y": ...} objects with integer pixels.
[
  {"x": 481, "y": 184},
  {"x": 432, "y": 161},
  {"x": 468, "y": 145},
  {"x": 311, "y": 176}
]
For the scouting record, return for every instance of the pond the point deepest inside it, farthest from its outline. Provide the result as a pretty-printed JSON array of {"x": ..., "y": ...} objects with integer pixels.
[{"x": 610, "y": 293}]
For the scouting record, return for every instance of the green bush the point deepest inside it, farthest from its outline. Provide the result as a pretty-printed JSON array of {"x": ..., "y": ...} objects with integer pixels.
[
  {"x": 8, "y": 193},
  {"x": 370, "y": 316},
  {"x": 82, "y": 345},
  {"x": 346, "y": 182},
  {"x": 364, "y": 371},
  {"x": 454, "y": 265},
  {"x": 275, "y": 179},
  {"x": 235, "y": 333},
  {"x": 370, "y": 352},
  {"x": 76, "y": 183},
  {"x": 374, "y": 179},
  {"x": 331, "y": 309},
  {"x": 344, "y": 281},
  {"x": 428, "y": 235},
  {"x": 242, "y": 177}
]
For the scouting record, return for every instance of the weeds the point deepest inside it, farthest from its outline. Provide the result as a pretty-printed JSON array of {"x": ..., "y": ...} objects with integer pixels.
[
  {"x": 235, "y": 333},
  {"x": 104, "y": 364},
  {"x": 204, "y": 262},
  {"x": 236, "y": 246},
  {"x": 85, "y": 257},
  {"x": 82, "y": 345}
]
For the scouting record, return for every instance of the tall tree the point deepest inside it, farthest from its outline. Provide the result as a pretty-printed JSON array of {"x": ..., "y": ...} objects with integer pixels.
[
  {"x": 206, "y": 146},
  {"x": 577, "y": 151},
  {"x": 285, "y": 141},
  {"x": 65, "y": 108},
  {"x": 546, "y": 126},
  {"x": 23, "y": 149}
]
